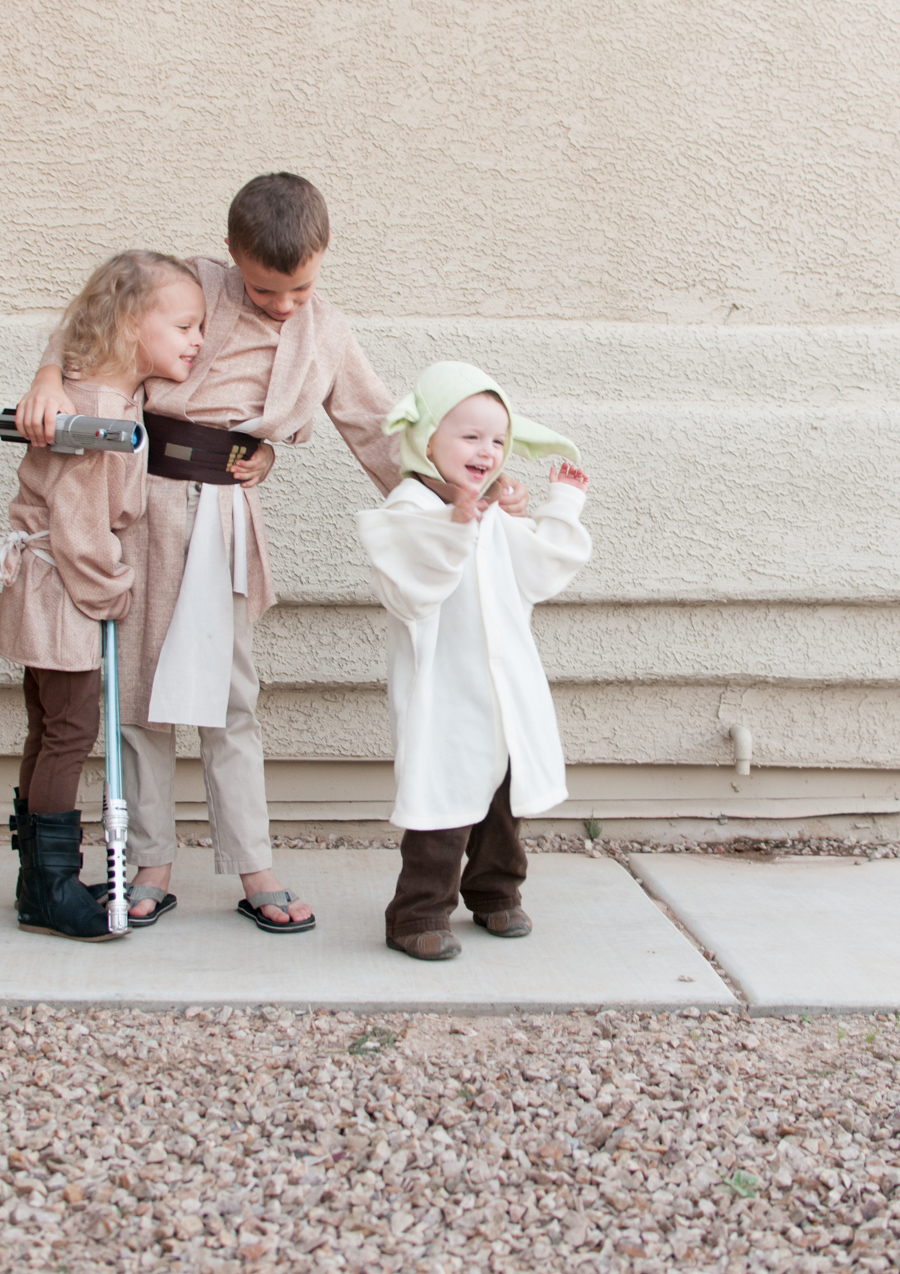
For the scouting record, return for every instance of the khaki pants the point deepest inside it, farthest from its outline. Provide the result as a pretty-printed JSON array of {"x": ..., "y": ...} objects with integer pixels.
[
  {"x": 429, "y": 885},
  {"x": 233, "y": 769}
]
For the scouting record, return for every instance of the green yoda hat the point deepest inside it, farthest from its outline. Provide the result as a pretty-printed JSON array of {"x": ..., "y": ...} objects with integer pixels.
[{"x": 440, "y": 388}]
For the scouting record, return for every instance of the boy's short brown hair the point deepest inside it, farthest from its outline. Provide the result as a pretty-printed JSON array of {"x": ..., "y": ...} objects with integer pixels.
[{"x": 280, "y": 220}]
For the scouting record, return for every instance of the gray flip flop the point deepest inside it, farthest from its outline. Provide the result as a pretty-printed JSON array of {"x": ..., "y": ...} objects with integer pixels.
[
  {"x": 137, "y": 893},
  {"x": 252, "y": 908},
  {"x": 164, "y": 902}
]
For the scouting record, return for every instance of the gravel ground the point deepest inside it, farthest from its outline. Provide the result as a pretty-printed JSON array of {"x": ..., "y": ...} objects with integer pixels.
[
  {"x": 243, "y": 1141},
  {"x": 841, "y": 847}
]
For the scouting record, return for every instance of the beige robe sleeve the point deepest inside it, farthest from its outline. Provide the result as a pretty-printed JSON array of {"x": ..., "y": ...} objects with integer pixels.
[
  {"x": 92, "y": 495},
  {"x": 357, "y": 403},
  {"x": 49, "y": 614},
  {"x": 53, "y": 352}
]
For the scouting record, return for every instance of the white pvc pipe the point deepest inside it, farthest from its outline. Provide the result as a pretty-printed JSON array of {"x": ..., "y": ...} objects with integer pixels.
[{"x": 743, "y": 748}]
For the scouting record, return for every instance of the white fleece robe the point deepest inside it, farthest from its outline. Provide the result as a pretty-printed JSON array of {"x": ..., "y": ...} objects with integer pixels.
[{"x": 468, "y": 694}]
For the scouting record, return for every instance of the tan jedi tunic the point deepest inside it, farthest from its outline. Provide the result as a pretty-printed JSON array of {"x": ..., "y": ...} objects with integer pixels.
[
  {"x": 49, "y": 614},
  {"x": 247, "y": 370}
]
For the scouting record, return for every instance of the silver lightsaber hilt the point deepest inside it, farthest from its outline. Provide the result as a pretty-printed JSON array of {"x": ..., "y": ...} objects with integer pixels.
[
  {"x": 115, "y": 832},
  {"x": 115, "y": 811},
  {"x": 77, "y": 434}
]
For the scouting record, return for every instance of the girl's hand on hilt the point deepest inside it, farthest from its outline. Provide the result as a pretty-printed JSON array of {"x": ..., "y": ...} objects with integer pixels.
[
  {"x": 251, "y": 472},
  {"x": 570, "y": 475},
  {"x": 468, "y": 506},
  {"x": 36, "y": 413}
]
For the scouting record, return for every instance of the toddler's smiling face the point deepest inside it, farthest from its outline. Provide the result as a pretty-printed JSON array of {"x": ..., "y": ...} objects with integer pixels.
[{"x": 467, "y": 446}]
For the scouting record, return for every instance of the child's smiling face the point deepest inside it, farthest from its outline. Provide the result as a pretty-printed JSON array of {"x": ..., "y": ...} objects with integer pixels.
[
  {"x": 279, "y": 295},
  {"x": 467, "y": 446},
  {"x": 171, "y": 333}
]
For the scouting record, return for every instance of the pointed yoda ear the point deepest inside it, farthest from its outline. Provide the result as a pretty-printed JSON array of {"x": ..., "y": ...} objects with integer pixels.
[
  {"x": 401, "y": 415},
  {"x": 537, "y": 441}
]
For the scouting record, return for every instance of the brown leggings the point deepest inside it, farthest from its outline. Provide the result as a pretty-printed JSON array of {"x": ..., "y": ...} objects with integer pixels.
[
  {"x": 63, "y": 724},
  {"x": 429, "y": 885}
]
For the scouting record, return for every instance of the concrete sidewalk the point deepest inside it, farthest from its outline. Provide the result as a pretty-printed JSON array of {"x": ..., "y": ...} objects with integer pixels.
[
  {"x": 598, "y": 940},
  {"x": 792, "y": 933}
]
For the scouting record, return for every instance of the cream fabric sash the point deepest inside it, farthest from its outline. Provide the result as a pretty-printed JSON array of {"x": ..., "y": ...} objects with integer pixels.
[
  {"x": 193, "y": 677},
  {"x": 239, "y": 542},
  {"x": 11, "y": 554}
]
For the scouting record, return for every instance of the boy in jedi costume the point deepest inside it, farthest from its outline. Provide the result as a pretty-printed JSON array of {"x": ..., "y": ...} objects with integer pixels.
[{"x": 475, "y": 736}]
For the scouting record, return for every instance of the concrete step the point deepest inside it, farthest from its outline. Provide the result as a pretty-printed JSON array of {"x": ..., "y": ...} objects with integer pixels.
[{"x": 598, "y": 941}]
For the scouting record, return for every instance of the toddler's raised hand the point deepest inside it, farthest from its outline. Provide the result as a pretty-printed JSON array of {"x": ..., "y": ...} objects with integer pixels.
[
  {"x": 570, "y": 475},
  {"x": 467, "y": 506}
]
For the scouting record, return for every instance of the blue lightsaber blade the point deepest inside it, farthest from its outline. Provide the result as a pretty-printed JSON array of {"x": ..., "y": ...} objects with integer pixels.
[{"x": 115, "y": 811}]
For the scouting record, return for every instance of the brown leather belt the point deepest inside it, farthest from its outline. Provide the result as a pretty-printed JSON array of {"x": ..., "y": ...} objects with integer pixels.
[{"x": 188, "y": 452}]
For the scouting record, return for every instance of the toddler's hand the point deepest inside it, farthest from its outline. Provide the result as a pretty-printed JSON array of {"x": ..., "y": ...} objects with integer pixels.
[
  {"x": 254, "y": 470},
  {"x": 467, "y": 506},
  {"x": 36, "y": 413},
  {"x": 570, "y": 475}
]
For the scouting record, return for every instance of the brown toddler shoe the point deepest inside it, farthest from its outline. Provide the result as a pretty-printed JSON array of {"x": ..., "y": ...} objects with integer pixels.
[
  {"x": 433, "y": 944},
  {"x": 505, "y": 924}
]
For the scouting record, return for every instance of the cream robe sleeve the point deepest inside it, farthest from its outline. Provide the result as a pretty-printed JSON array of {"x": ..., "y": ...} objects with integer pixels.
[
  {"x": 417, "y": 557},
  {"x": 548, "y": 549}
]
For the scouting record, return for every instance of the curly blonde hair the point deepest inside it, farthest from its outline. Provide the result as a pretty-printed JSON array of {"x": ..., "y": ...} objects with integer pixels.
[{"x": 100, "y": 327}]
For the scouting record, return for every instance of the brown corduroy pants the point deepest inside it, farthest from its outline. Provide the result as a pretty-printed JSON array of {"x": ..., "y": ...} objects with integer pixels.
[
  {"x": 63, "y": 723},
  {"x": 429, "y": 885}
]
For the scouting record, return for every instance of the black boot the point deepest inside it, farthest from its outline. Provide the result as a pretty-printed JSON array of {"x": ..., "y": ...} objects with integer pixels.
[
  {"x": 18, "y": 825},
  {"x": 52, "y": 899}
]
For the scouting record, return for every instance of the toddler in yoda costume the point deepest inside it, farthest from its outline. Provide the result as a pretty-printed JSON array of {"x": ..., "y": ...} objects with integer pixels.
[{"x": 475, "y": 736}]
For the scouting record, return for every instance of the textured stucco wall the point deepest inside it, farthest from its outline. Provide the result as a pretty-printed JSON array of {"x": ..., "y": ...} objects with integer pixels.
[
  {"x": 705, "y": 161},
  {"x": 729, "y": 464},
  {"x": 746, "y": 519},
  {"x": 670, "y": 229}
]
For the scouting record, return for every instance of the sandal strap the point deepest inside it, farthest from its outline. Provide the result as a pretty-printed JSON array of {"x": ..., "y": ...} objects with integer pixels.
[
  {"x": 137, "y": 893},
  {"x": 277, "y": 898}
]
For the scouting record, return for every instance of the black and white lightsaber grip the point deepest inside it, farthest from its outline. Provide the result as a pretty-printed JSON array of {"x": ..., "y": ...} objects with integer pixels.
[
  {"x": 115, "y": 811},
  {"x": 77, "y": 434}
]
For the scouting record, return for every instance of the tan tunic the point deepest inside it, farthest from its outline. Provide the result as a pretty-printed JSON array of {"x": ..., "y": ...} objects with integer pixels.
[
  {"x": 49, "y": 615},
  {"x": 244, "y": 373}
]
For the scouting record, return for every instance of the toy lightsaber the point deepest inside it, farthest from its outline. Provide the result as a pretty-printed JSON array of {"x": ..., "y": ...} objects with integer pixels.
[
  {"x": 77, "y": 434},
  {"x": 115, "y": 811}
]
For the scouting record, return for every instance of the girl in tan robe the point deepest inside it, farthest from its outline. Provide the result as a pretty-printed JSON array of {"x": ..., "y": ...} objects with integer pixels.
[{"x": 139, "y": 315}]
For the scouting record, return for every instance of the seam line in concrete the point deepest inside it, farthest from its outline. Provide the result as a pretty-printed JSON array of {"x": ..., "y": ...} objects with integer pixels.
[{"x": 709, "y": 956}]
